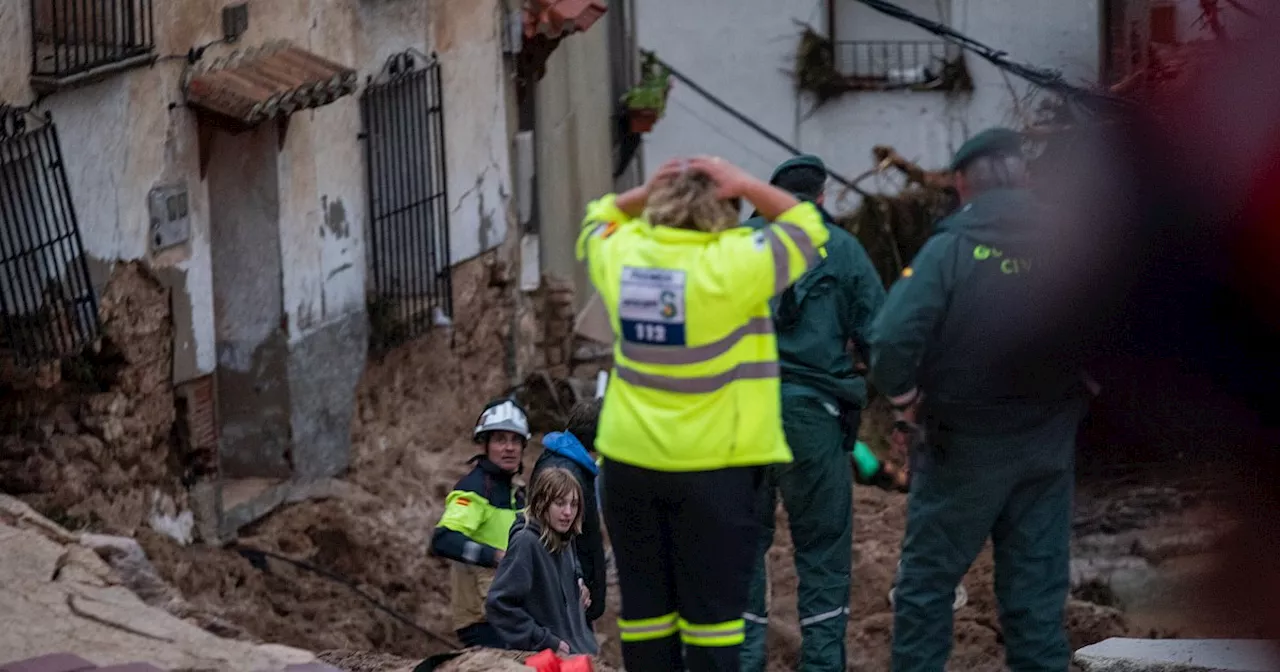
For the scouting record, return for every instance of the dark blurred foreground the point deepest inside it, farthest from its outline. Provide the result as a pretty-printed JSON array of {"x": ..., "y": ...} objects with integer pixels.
[{"x": 1170, "y": 222}]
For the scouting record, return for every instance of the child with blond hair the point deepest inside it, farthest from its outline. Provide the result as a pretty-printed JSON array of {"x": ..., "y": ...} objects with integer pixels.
[{"x": 537, "y": 600}]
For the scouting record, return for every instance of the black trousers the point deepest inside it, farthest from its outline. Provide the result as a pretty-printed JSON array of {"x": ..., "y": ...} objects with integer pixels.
[
  {"x": 480, "y": 634},
  {"x": 684, "y": 544}
]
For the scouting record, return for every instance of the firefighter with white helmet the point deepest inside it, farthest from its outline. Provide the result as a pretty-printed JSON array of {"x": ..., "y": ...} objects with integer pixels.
[{"x": 478, "y": 515}]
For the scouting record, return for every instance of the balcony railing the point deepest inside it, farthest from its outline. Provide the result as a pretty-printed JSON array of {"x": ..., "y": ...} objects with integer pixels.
[
  {"x": 896, "y": 64},
  {"x": 75, "y": 40}
]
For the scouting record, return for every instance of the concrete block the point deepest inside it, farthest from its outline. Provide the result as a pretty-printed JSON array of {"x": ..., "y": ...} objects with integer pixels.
[{"x": 1180, "y": 655}]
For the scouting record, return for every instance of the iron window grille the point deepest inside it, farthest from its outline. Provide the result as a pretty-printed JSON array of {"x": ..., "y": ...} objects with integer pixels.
[
  {"x": 48, "y": 308},
  {"x": 895, "y": 64},
  {"x": 73, "y": 40},
  {"x": 411, "y": 283}
]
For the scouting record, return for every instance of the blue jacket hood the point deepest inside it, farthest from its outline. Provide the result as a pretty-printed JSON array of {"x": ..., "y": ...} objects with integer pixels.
[{"x": 567, "y": 445}]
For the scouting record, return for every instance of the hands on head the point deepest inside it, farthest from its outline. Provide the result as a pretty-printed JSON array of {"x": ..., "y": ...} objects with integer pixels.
[{"x": 730, "y": 180}]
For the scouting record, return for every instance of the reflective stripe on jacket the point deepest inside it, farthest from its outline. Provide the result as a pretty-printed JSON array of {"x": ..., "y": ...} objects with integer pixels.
[
  {"x": 695, "y": 381},
  {"x": 477, "y": 520}
]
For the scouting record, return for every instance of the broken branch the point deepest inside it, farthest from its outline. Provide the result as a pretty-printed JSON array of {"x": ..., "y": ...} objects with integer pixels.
[{"x": 915, "y": 174}]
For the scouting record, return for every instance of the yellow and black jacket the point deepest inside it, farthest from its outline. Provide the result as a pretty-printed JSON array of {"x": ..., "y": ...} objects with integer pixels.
[
  {"x": 477, "y": 520},
  {"x": 695, "y": 383}
]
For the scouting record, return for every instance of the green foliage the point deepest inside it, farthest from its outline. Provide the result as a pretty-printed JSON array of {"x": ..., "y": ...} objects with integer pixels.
[
  {"x": 651, "y": 92},
  {"x": 815, "y": 68}
]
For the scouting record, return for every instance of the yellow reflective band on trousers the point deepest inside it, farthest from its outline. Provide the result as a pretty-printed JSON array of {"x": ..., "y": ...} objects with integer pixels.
[
  {"x": 648, "y": 629},
  {"x": 729, "y": 633},
  {"x": 695, "y": 385}
]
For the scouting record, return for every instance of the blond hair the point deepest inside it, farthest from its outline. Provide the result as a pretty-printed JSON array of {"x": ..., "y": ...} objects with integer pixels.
[
  {"x": 689, "y": 201},
  {"x": 550, "y": 485}
]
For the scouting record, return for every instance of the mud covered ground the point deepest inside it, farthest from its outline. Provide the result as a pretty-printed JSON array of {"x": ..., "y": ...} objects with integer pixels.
[
  {"x": 411, "y": 439},
  {"x": 378, "y": 537}
]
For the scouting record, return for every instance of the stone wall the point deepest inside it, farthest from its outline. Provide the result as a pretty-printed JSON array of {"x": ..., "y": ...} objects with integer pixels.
[
  {"x": 88, "y": 441},
  {"x": 554, "y": 307}
]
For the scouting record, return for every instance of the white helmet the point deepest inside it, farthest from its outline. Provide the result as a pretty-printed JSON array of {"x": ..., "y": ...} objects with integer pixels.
[{"x": 503, "y": 415}]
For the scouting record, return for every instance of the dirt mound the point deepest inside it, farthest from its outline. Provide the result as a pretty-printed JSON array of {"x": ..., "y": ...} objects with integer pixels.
[
  {"x": 363, "y": 661},
  {"x": 380, "y": 543},
  {"x": 411, "y": 439}
]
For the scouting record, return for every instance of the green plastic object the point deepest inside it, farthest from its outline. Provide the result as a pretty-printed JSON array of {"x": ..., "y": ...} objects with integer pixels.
[{"x": 867, "y": 463}]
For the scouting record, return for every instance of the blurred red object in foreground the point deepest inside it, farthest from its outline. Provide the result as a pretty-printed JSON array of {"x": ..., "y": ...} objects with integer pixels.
[{"x": 547, "y": 661}]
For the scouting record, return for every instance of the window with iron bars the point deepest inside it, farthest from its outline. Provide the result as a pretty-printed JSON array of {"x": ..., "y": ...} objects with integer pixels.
[
  {"x": 410, "y": 280},
  {"x": 48, "y": 308},
  {"x": 888, "y": 64},
  {"x": 79, "y": 40}
]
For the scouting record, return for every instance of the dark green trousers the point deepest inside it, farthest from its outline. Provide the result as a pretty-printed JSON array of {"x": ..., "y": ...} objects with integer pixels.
[
  {"x": 816, "y": 491},
  {"x": 1015, "y": 489}
]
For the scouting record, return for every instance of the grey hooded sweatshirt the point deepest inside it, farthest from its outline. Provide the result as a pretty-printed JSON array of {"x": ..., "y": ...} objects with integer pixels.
[{"x": 534, "y": 602}]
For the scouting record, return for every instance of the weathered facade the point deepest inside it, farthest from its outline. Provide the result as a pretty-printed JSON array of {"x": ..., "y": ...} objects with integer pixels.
[
  {"x": 572, "y": 112},
  {"x": 300, "y": 175},
  {"x": 751, "y": 67}
]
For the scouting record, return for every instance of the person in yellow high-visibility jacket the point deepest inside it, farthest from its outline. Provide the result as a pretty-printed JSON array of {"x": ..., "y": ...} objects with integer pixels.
[{"x": 693, "y": 408}]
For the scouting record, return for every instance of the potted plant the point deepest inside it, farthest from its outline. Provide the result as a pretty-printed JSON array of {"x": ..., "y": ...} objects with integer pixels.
[{"x": 648, "y": 99}]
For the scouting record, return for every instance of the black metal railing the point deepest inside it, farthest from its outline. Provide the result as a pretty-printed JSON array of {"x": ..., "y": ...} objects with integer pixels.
[
  {"x": 47, "y": 305},
  {"x": 894, "y": 63},
  {"x": 412, "y": 287},
  {"x": 71, "y": 37}
]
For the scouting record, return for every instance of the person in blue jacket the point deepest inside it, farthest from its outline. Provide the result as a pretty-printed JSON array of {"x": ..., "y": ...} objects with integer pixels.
[{"x": 573, "y": 450}]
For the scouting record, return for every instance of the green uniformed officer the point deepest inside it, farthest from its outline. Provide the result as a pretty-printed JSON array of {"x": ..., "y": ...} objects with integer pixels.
[
  {"x": 958, "y": 347},
  {"x": 823, "y": 395}
]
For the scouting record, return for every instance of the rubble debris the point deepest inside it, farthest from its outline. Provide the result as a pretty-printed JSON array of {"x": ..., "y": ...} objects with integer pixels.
[
  {"x": 364, "y": 661},
  {"x": 892, "y": 228},
  {"x": 411, "y": 438},
  {"x": 93, "y": 449},
  {"x": 60, "y": 597}
]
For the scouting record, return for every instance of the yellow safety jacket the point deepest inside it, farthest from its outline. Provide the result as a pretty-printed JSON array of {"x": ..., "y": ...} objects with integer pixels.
[
  {"x": 476, "y": 524},
  {"x": 695, "y": 380}
]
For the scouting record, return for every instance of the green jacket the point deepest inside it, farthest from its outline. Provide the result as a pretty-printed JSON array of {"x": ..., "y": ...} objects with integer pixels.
[
  {"x": 831, "y": 305},
  {"x": 968, "y": 323}
]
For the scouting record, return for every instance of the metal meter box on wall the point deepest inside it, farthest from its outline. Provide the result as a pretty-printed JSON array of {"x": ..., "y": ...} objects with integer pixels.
[{"x": 170, "y": 212}]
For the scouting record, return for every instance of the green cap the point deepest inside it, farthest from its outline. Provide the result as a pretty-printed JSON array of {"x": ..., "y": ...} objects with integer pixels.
[
  {"x": 998, "y": 140},
  {"x": 803, "y": 160}
]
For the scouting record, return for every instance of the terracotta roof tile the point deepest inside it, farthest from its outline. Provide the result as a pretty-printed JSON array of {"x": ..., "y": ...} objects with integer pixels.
[
  {"x": 54, "y": 662},
  {"x": 557, "y": 18},
  {"x": 254, "y": 85}
]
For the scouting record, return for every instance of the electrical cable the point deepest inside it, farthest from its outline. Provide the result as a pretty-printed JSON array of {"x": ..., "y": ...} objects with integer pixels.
[
  {"x": 1042, "y": 77},
  {"x": 733, "y": 112},
  {"x": 716, "y": 129},
  {"x": 257, "y": 558}
]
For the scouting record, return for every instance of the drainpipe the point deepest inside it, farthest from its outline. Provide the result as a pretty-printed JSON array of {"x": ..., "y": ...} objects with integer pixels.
[{"x": 527, "y": 105}]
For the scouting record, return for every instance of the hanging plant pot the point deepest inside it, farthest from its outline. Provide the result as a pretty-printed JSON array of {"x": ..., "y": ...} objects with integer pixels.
[{"x": 642, "y": 119}]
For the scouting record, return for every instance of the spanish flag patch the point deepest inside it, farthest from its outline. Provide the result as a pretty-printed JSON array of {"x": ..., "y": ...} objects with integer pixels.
[
  {"x": 609, "y": 229},
  {"x": 462, "y": 501}
]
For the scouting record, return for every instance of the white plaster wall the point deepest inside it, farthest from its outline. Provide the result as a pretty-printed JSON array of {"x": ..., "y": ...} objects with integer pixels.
[
  {"x": 120, "y": 139},
  {"x": 468, "y": 38},
  {"x": 574, "y": 147},
  {"x": 751, "y": 74},
  {"x": 15, "y": 50},
  {"x": 132, "y": 131}
]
